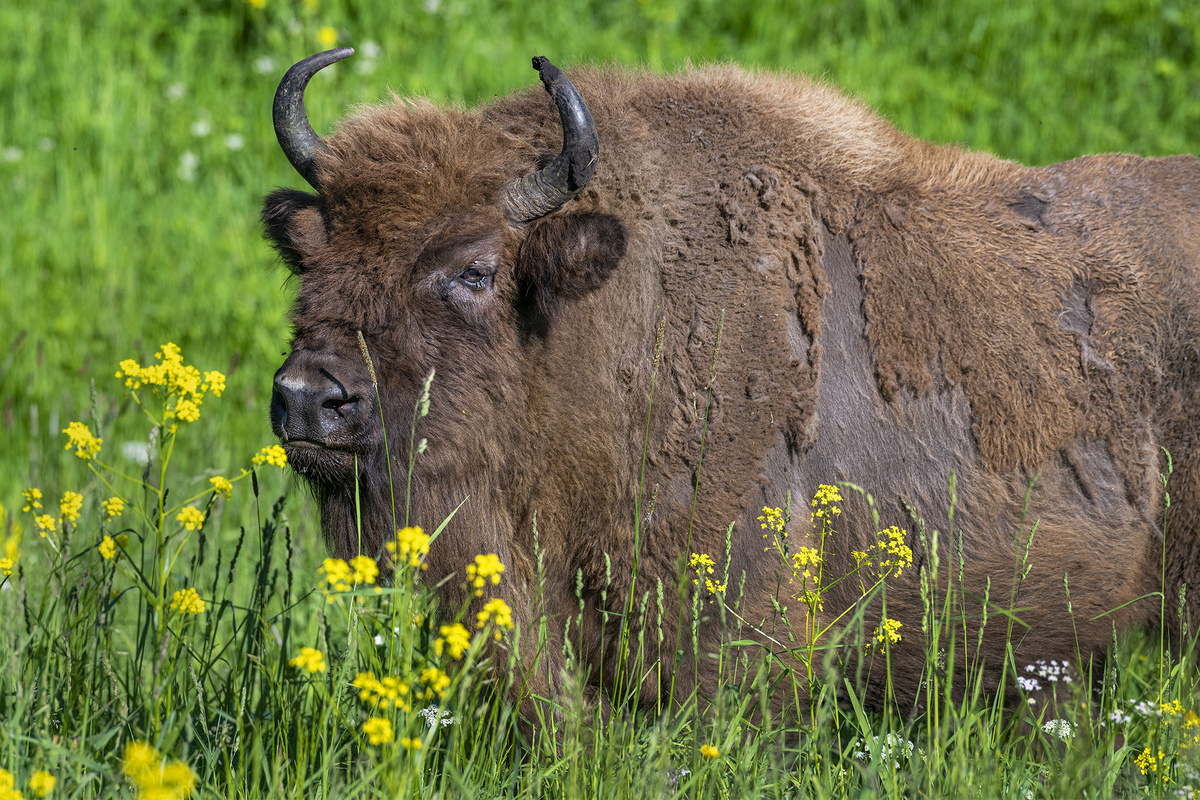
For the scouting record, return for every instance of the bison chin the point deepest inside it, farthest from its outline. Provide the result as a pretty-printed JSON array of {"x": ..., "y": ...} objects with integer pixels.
[
  {"x": 319, "y": 464},
  {"x": 355, "y": 502}
]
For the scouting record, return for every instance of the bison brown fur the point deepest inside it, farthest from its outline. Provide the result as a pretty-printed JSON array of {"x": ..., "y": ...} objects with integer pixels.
[{"x": 874, "y": 308}]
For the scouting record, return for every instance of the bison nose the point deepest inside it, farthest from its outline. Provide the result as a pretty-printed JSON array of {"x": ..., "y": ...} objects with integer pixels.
[{"x": 314, "y": 408}]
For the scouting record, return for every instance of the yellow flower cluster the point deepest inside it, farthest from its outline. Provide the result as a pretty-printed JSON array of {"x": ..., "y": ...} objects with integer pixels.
[
  {"x": 108, "y": 548},
  {"x": 1147, "y": 763},
  {"x": 498, "y": 612},
  {"x": 823, "y": 502},
  {"x": 485, "y": 568},
  {"x": 891, "y": 542},
  {"x": 186, "y": 601},
  {"x": 222, "y": 485},
  {"x": 41, "y": 783},
  {"x": 888, "y": 631},
  {"x": 410, "y": 744},
  {"x": 273, "y": 455},
  {"x": 409, "y": 546},
  {"x": 154, "y": 778},
  {"x": 171, "y": 378},
  {"x": 703, "y": 565},
  {"x": 378, "y": 730},
  {"x": 113, "y": 507},
  {"x": 343, "y": 576},
  {"x": 80, "y": 437},
  {"x": 310, "y": 658},
  {"x": 708, "y": 751},
  {"x": 33, "y": 499},
  {"x": 364, "y": 569},
  {"x": 383, "y": 693},
  {"x": 191, "y": 518},
  {"x": 6, "y": 566},
  {"x": 46, "y": 525},
  {"x": 456, "y": 638},
  {"x": 805, "y": 559},
  {"x": 772, "y": 520},
  {"x": 436, "y": 682},
  {"x": 70, "y": 505}
]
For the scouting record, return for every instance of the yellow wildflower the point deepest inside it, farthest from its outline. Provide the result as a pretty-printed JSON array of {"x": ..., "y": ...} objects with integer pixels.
[
  {"x": 113, "y": 507},
  {"x": 410, "y": 744},
  {"x": 140, "y": 758},
  {"x": 823, "y": 501},
  {"x": 1171, "y": 709},
  {"x": 186, "y": 601},
  {"x": 273, "y": 455},
  {"x": 498, "y": 612},
  {"x": 772, "y": 520},
  {"x": 365, "y": 569},
  {"x": 154, "y": 778},
  {"x": 41, "y": 783},
  {"x": 889, "y": 630},
  {"x": 187, "y": 410},
  {"x": 1147, "y": 762},
  {"x": 703, "y": 565},
  {"x": 7, "y": 781},
  {"x": 456, "y": 638},
  {"x": 327, "y": 36},
  {"x": 409, "y": 546},
  {"x": 108, "y": 548},
  {"x": 70, "y": 505},
  {"x": 176, "y": 780},
  {"x": 436, "y": 682},
  {"x": 191, "y": 518},
  {"x": 804, "y": 558},
  {"x": 46, "y": 525},
  {"x": 384, "y": 693},
  {"x": 378, "y": 730},
  {"x": 257, "y": 4},
  {"x": 7, "y": 564},
  {"x": 337, "y": 574},
  {"x": 32, "y": 499},
  {"x": 485, "y": 568},
  {"x": 86, "y": 445},
  {"x": 310, "y": 659},
  {"x": 213, "y": 382},
  {"x": 708, "y": 751},
  {"x": 891, "y": 542}
]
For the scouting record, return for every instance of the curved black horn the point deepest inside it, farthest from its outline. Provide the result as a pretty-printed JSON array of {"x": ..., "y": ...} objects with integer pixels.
[
  {"x": 541, "y": 192},
  {"x": 295, "y": 135}
]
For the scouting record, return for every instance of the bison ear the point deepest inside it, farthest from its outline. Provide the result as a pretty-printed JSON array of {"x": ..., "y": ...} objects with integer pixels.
[
  {"x": 294, "y": 225},
  {"x": 567, "y": 256}
]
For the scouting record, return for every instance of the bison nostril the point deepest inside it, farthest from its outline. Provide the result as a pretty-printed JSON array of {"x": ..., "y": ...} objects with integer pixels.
[{"x": 340, "y": 403}]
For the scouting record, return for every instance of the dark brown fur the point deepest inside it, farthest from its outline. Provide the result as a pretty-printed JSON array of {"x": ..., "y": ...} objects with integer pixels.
[{"x": 894, "y": 312}]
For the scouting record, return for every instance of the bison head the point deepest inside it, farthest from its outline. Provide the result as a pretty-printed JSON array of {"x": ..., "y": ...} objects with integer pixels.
[{"x": 439, "y": 242}]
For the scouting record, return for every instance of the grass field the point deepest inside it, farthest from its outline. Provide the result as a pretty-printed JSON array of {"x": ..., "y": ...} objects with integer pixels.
[{"x": 135, "y": 148}]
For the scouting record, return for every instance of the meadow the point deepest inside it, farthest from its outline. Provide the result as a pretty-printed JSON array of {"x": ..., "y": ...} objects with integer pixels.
[{"x": 157, "y": 652}]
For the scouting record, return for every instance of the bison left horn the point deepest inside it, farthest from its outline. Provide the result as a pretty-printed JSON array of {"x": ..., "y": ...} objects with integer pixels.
[
  {"x": 300, "y": 144},
  {"x": 538, "y": 194}
]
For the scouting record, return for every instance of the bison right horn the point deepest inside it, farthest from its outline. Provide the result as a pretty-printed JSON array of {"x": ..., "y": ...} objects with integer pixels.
[
  {"x": 300, "y": 144},
  {"x": 536, "y": 195}
]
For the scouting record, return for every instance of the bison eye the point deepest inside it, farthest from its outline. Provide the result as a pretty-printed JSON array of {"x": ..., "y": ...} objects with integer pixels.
[{"x": 477, "y": 276}]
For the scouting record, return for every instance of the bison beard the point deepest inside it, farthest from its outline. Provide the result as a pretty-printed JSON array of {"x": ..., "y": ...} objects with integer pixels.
[{"x": 891, "y": 313}]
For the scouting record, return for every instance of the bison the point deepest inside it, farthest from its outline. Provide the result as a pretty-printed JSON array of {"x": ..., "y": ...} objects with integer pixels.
[{"x": 654, "y": 313}]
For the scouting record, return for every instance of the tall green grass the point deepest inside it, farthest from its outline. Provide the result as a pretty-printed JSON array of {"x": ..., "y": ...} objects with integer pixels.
[
  {"x": 135, "y": 145},
  {"x": 294, "y": 681}
]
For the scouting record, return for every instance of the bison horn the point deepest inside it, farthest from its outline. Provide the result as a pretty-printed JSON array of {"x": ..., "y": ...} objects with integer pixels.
[
  {"x": 295, "y": 135},
  {"x": 538, "y": 194}
]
